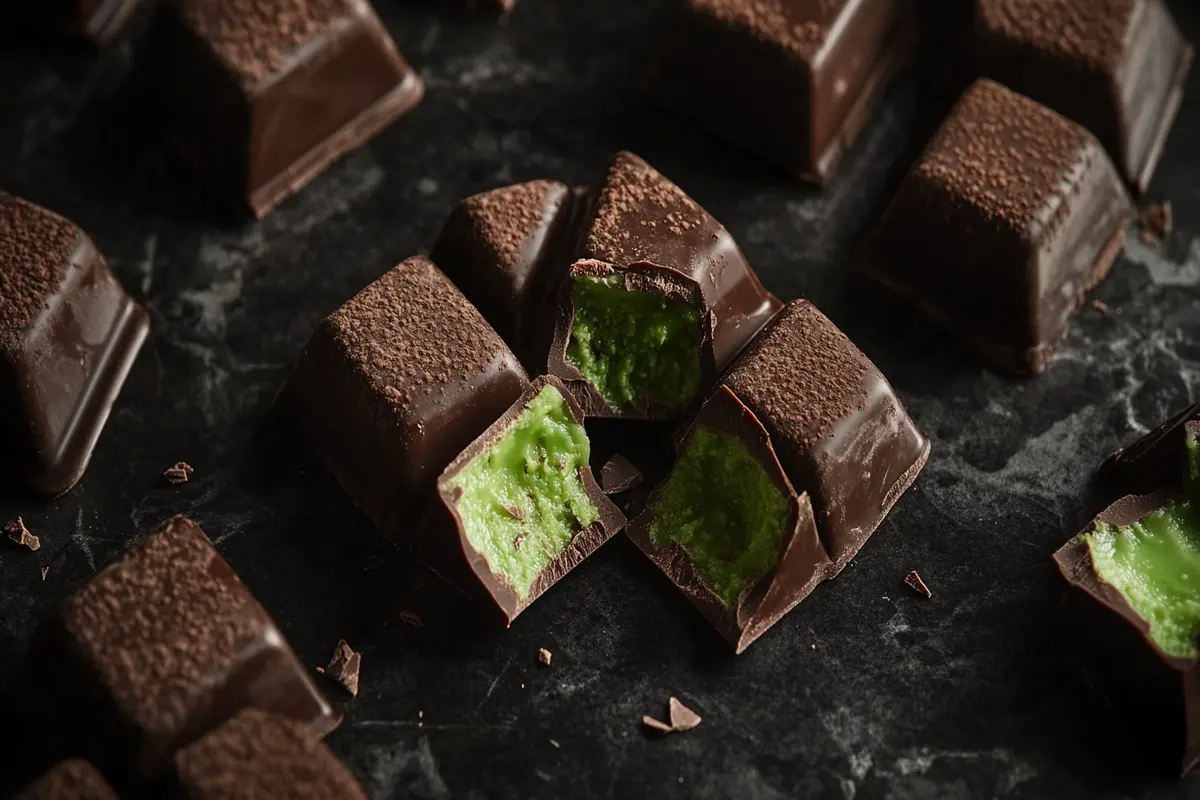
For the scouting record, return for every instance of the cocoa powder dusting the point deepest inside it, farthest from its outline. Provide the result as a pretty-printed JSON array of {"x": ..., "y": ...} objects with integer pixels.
[
  {"x": 35, "y": 250},
  {"x": 798, "y": 26},
  {"x": 505, "y": 219},
  {"x": 1091, "y": 33}
]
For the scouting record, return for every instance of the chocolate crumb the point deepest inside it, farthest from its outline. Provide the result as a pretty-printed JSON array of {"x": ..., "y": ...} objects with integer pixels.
[
  {"x": 516, "y": 512},
  {"x": 555, "y": 744},
  {"x": 681, "y": 718},
  {"x": 619, "y": 475},
  {"x": 544, "y": 656},
  {"x": 412, "y": 618},
  {"x": 517, "y": 542},
  {"x": 179, "y": 473},
  {"x": 44, "y": 571},
  {"x": 918, "y": 585},
  {"x": 343, "y": 667},
  {"x": 1156, "y": 221},
  {"x": 1100, "y": 306},
  {"x": 20, "y": 535}
]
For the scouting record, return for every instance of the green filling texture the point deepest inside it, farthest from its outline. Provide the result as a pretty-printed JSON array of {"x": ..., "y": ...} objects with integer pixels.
[
  {"x": 522, "y": 499},
  {"x": 722, "y": 508},
  {"x": 634, "y": 347},
  {"x": 1155, "y": 564}
]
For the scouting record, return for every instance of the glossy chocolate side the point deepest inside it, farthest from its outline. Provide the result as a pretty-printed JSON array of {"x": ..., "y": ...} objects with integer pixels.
[
  {"x": 444, "y": 547},
  {"x": 257, "y": 133},
  {"x": 648, "y": 231},
  {"x": 394, "y": 384},
  {"x": 796, "y": 81},
  {"x": 841, "y": 433},
  {"x": 1128, "y": 100},
  {"x": 157, "y": 650},
  {"x": 59, "y": 383},
  {"x": 803, "y": 562},
  {"x": 1155, "y": 460},
  {"x": 1111, "y": 643}
]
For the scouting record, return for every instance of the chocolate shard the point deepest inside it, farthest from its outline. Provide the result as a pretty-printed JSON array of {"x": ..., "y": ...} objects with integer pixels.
[
  {"x": 394, "y": 384},
  {"x": 259, "y": 755},
  {"x": 796, "y": 80},
  {"x": 470, "y": 538},
  {"x": 156, "y": 651},
  {"x": 1116, "y": 67},
  {"x": 260, "y": 98},
  {"x": 646, "y": 240},
  {"x": 1010, "y": 217},
  {"x": 344, "y": 667},
  {"x": 816, "y": 416},
  {"x": 68, "y": 337},
  {"x": 619, "y": 475},
  {"x": 1153, "y": 460},
  {"x": 69, "y": 780}
]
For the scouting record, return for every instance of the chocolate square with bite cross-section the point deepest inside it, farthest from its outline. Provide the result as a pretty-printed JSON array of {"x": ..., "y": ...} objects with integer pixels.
[
  {"x": 260, "y": 97},
  {"x": 796, "y": 79},
  {"x": 395, "y": 384},
  {"x": 68, "y": 337},
  {"x": 1010, "y": 217},
  {"x": 156, "y": 651}
]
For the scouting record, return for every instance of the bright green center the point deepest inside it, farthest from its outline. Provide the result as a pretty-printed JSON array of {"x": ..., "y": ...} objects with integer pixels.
[
  {"x": 724, "y": 510},
  {"x": 1155, "y": 564},
  {"x": 522, "y": 499},
  {"x": 634, "y": 347}
]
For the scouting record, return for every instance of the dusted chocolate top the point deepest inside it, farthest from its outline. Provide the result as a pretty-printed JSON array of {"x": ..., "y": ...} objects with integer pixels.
[
  {"x": 255, "y": 37},
  {"x": 1005, "y": 155},
  {"x": 411, "y": 333},
  {"x": 161, "y": 622},
  {"x": 504, "y": 219},
  {"x": 799, "y": 26},
  {"x": 69, "y": 780},
  {"x": 803, "y": 374},
  {"x": 1090, "y": 32},
  {"x": 35, "y": 250},
  {"x": 259, "y": 756}
]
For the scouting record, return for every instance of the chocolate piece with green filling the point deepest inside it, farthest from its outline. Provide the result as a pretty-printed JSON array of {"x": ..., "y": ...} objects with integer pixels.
[
  {"x": 785, "y": 472},
  {"x": 1131, "y": 616},
  {"x": 519, "y": 508},
  {"x": 1152, "y": 461}
]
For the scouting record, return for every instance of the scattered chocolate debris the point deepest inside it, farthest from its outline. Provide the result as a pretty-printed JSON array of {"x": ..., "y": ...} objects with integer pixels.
[
  {"x": 1156, "y": 221},
  {"x": 44, "y": 571},
  {"x": 20, "y": 535},
  {"x": 918, "y": 585},
  {"x": 1100, "y": 306},
  {"x": 544, "y": 656},
  {"x": 343, "y": 667},
  {"x": 412, "y": 618},
  {"x": 682, "y": 719},
  {"x": 555, "y": 744},
  {"x": 516, "y": 512},
  {"x": 517, "y": 542},
  {"x": 179, "y": 473},
  {"x": 619, "y": 475}
]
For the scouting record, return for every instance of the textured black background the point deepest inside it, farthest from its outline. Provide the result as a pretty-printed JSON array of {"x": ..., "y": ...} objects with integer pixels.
[{"x": 866, "y": 690}]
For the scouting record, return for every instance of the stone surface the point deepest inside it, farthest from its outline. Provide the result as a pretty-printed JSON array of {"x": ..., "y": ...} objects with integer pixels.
[{"x": 866, "y": 690}]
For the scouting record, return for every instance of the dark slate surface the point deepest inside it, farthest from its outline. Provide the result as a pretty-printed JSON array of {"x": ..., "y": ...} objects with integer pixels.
[{"x": 866, "y": 690}]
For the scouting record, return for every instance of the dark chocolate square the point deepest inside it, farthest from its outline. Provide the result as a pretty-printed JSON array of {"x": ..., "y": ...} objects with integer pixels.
[
  {"x": 1011, "y": 215},
  {"x": 68, "y": 337},
  {"x": 790, "y": 80},
  {"x": 69, "y": 780}
]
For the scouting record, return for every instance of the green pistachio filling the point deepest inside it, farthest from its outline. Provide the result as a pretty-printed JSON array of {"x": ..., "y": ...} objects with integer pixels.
[
  {"x": 522, "y": 499},
  {"x": 723, "y": 509},
  {"x": 1155, "y": 564},
  {"x": 634, "y": 347}
]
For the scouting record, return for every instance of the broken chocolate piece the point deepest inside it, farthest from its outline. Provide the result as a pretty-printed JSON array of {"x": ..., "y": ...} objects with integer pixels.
[
  {"x": 68, "y": 337},
  {"x": 69, "y": 780},
  {"x": 179, "y": 473},
  {"x": 1153, "y": 460},
  {"x": 917, "y": 585},
  {"x": 260, "y": 98},
  {"x": 619, "y": 475},
  {"x": 157, "y": 650},
  {"x": 20, "y": 535},
  {"x": 343, "y": 667},
  {"x": 1116, "y": 67},
  {"x": 535, "y": 456},
  {"x": 681, "y": 718},
  {"x": 544, "y": 656},
  {"x": 1156, "y": 222},
  {"x": 796, "y": 79},
  {"x": 1010, "y": 217}
]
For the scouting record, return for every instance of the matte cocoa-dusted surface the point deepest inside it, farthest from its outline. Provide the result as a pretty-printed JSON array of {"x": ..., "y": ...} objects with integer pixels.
[
  {"x": 866, "y": 687},
  {"x": 1005, "y": 223},
  {"x": 153, "y": 653},
  {"x": 261, "y": 98},
  {"x": 69, "y": 780},
  {"x": 68, "y": 337},
  {"x": 1117, "y": 67}
]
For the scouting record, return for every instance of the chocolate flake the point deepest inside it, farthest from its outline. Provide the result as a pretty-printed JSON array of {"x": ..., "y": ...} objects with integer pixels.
[
  {"x": 516, "y": 512},
  {"x": 179, "y": 473},
  {"x": 412, "y": 619},
  {"x": 20, "y": 535},
  {"x": 44, "y": 571},
  {"x": 343, "y": 667},
  {"x": 544, "y": 656},
  {"x": 918, "y": 585},
  {"x": 681, "y": 718},
  {"x": 1156, "y": 220},
  {"x": 619, "y": 475},
  {"x": 1100, "y": 306}
]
